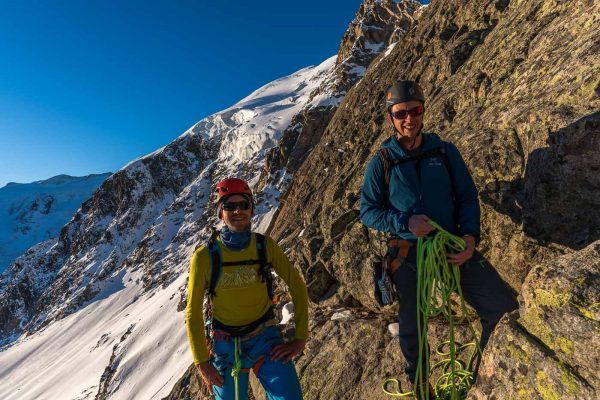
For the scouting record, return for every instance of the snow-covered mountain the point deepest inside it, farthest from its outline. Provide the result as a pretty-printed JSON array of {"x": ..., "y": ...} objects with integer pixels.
[
  {"x": 34, "y": 212},
  {"x": 97, "y": 312},
  {"x": 108, "y": 289}
]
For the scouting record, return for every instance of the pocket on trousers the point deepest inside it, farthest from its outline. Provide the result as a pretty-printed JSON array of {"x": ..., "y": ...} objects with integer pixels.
[
  {"x": 223, "y": 354},
  {"x": 263, "y": 344},
  {"x": 477, "y": 261}
]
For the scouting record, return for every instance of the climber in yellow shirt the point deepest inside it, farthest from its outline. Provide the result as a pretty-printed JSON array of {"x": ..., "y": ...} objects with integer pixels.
[{"x": 234, "y": 268}]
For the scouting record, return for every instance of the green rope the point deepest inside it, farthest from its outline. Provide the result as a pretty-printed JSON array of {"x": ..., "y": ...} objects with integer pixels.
[
  {"x": 435, "y": 277},
  {"x": 237, "y": 366}
]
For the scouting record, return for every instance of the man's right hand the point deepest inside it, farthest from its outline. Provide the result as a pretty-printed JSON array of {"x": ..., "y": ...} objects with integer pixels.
[
  {"x": 418, "y": 225},
  {"x": 209, "y": 374}
]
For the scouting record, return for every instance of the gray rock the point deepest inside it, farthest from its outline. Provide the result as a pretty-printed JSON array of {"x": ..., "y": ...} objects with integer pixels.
[{"x": 394, "y": 329}]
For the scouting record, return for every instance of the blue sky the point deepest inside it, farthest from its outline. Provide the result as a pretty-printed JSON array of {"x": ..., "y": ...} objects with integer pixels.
[{"x": 87, "y": 86}]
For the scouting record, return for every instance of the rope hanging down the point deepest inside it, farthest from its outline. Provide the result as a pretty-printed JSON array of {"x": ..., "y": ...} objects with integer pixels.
[
  {"x": 237, "y": 366},
  {"x": 435, "y": 278}
]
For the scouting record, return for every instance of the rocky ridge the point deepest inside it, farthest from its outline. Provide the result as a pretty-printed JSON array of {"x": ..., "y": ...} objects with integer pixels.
[
  {"x": 516, "y": 86},
  {"x": 376, "y": 28}
]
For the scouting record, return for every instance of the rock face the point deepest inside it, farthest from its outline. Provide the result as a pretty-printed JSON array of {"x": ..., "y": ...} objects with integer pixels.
[
  {"x": 519, "y": 155},
  {"x": 550, "y": 348},
  {"x": 516, "y": 86},
  {"x": 377, "y": 26}
]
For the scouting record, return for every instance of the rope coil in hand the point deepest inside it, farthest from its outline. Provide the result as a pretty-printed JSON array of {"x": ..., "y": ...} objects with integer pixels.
[{"x": 436, "y": 278}]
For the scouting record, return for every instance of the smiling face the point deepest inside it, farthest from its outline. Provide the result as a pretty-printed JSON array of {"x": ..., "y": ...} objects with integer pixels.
[
  {"x": 237, "y": 220},
  {"x": 409, "y": 126}
]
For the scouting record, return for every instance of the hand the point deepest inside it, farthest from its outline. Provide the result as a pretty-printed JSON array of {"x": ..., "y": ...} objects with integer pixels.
[
  {"x": 465, "y": 255},
  {"x": 418, "y": 225},
  {"x": 287, "y": 351},
  {"x": 210, "y": 375}
]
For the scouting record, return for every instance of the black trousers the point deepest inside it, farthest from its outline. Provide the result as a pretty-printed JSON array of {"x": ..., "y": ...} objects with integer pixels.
[{"x": 481, "y": 286}]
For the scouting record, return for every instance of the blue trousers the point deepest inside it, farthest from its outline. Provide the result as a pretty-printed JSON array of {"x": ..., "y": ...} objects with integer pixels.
[
  {"x": 481, "y": 286},
  {"x": 279, "y": 380}
]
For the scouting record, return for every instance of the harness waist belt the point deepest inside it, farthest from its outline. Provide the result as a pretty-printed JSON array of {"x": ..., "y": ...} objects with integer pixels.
[{"x": 243, "y": 330}]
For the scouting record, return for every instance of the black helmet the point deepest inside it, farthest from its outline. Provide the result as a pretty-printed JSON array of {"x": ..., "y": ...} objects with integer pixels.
[{"x": 402, "y": 91}]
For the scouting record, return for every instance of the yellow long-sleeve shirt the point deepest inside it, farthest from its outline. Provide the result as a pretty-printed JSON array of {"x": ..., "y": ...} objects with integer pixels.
[{"x": 241, "y": 297}]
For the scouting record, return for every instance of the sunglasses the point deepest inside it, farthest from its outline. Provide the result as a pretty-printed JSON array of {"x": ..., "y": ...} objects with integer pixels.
[
  {"x": 413, "y": 112},
  {"x": 236, "y": 205}
]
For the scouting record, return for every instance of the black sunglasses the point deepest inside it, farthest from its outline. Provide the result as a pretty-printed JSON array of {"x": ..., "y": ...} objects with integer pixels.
[
  {"x": 413, "y": 112},
  {"x": 236, "y": 205}
]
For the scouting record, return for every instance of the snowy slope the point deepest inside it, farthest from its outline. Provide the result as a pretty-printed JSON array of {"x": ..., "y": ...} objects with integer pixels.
[{"x": 34, "y": 212}]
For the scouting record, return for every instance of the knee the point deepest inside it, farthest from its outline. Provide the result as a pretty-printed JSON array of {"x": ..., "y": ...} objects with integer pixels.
[
  {"x": 505, "y": 306},
  {"x": 491, "y": 320}
]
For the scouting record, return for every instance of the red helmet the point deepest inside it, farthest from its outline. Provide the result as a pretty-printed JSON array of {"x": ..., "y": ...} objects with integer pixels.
[{"x": 231, "y": 186}]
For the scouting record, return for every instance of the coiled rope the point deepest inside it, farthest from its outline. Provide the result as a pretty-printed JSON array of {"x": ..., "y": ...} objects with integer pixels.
[{"x": 436, "y": 278}]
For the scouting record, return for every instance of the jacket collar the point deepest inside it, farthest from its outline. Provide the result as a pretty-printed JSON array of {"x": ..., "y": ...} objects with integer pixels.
[{"x": 398, "y": 152}]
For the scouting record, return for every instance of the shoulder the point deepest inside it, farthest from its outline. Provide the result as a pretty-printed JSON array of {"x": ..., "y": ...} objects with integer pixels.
[
  {"x": 201, "y": 249},
  {"x": 376, "y": 163},
  {"x": 201, "y": 254},
  {"x": 200, "y": 262},
  {"x": 271, "y": 243},
  {"x": 452, "y": 151},
  {"x": 432, "y": 140}
]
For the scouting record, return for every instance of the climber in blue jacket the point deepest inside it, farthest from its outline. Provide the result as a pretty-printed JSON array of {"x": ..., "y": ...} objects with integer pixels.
[{"x": 428, "y": 180}]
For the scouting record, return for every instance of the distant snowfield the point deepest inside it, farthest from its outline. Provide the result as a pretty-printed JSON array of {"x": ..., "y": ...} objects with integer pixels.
[
  {"x": 33, "y": 212},
  {"x": 144, "y": 332}
]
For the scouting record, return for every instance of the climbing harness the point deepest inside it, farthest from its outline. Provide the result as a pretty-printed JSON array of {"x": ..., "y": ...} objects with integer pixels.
[
  {"x": 435, "y": 278},
  {"x": 384, "y": 268},
  {"x": 237, "y": 343}
]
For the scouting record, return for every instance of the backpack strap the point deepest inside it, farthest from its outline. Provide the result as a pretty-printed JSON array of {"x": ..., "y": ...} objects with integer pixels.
[
  {"x": 446, "y": 161},
  {"x": 265, "y": 267},
  {"x": 383, "y": 154},
  {"x": 435, "y": 152},
  {"x": 215, "y": 263}
]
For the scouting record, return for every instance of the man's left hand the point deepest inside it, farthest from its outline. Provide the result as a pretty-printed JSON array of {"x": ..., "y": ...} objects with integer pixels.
[
  {"x": 287, "y": 351},
  {"x": 465, "y": 255}
]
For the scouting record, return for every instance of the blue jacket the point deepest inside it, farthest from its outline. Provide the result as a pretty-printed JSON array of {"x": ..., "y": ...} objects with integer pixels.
[{"x": 431, "y": 194}]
